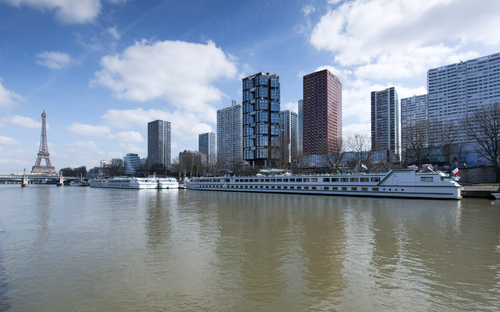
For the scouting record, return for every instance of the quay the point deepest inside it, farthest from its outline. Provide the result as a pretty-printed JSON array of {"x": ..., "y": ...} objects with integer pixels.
[{"x": 479, "y": 191}]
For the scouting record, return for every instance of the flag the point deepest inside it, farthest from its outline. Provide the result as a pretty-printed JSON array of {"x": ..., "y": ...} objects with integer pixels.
[
  {"x": 364, "y": 166},
  {"x": 455, "y": 170}
]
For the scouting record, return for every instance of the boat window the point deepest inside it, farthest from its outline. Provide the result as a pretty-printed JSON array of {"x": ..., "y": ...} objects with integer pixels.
[
  {"x": 306, "y": 187},
  {"x": 267, "y": 186},
  {"x": 272, "y": 186},
  {"x": 299, "y": 180},
  {"x": 354, "y": 188},
  {"x": 375, "y": 189},
  {"x": 344, "y": 179},
  {"x": 298, "y": 187},
  {"x": 285, "y": 187},
  {"x": 426, "y": 179},
  {"x": 307, "y": 180},
  {"x": 292, "y": 180},
  {"x": 227, "y": 180},
  {"x": 354, "y": 179},
  {"x": 279, "y": 187},
  {"x": 376, "y": 179},
  {"x": 364, "y": 189},
  {"x": 273, "y": 180},
  {"x": 344, "y": 188},
  {"x": 267, "y": 180},
  {"x": 326, "y": 179},
  {"x": 285, "y": 180},
  {"x": 335, "y": 179},
  {"x": 314, "y": 187},
  {"x": 334, "y": 188},
  {"x": 364, "y": 179},
  {"x": 278, "y": 180},
  {"x": 246, "y": 180},
  {"x": 314, "y": 180}
]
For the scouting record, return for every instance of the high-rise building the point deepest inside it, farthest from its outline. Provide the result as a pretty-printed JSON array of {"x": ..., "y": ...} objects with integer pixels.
[
  {"x": 289, "y": 133},
  {"x": 159, "y": 143},
  {"x": 300, "y": 125},
  {"x": 322, "y": 104},
  {"x": 132, "y": 163},
  {"x": 208, "y": 145},
  {"x": 414, "y": 117},
  {"x": 261, "y": 107},
  {"x": 230, "y": 132},
  {"x": 386, "y": 121},
  {"x": 457, "y": 90}
]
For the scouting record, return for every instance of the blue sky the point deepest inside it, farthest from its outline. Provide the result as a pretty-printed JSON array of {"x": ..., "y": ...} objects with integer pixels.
[{"x": 104, "y": 68}]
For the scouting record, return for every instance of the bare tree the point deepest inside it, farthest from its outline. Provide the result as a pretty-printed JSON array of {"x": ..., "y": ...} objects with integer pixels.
[
  {"x": 484, "y": 128},
  {"x": 415, "y": 139},
  {"x": 449, "y": 144},
  {"x": 359, "y": 146},
  {"x": 334, "y": 157}
]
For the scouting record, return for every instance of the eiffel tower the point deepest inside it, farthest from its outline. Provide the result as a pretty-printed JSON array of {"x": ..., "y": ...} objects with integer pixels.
[{"x": 43, "y": 153}]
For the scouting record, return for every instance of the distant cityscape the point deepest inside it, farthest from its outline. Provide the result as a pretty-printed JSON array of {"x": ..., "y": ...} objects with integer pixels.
[{"x": 257, "y": 133}]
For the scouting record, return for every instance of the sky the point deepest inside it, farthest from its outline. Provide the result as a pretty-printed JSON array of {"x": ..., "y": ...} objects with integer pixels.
[{"x": 103, "y": 69}]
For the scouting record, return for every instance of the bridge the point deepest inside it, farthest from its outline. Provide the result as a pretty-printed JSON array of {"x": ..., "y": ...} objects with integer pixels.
[{"x": 25, "y": 178}]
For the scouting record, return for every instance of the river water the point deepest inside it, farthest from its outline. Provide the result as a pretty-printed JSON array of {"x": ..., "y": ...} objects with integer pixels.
[{"x": 86, "y": 249}]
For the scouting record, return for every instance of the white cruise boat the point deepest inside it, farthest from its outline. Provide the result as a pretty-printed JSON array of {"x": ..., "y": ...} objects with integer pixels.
[
  {"x": 403, "y": 183},
  {"x": 168, "y": 183},
  {"x": 125, "y": 183}
]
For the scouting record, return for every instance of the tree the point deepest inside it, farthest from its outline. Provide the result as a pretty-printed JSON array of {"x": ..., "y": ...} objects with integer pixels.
[
  {"x": 484, "y": 128},
  {"x": 449, "y": 144},
  {"x": 158, "y": 168},
  {"x": 334, "y": 157},
  {"x": 360, "y": 151},
  {"x": 415, "y": 139}
]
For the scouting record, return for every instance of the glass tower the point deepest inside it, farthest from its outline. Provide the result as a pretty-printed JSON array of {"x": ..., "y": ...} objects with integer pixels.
[
  {"x": 386, "y": 121},
  {"x": 159, "y": 143},
  {"x": 261, "y": 107}
]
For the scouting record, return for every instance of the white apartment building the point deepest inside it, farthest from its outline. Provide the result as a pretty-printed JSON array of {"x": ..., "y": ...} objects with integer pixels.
[
  {"x": 289, "y": 131},
  {"x": 457, "y": 90},
  {"x": 230, "y": 131}
]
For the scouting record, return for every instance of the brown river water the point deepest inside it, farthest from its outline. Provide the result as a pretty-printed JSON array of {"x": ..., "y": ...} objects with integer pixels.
[{"x": 87, "y": 249}]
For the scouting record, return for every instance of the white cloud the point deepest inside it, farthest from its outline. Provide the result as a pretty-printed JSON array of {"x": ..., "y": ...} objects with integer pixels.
[
  {"x": 113, "y": 31},
  {"x": 184, "y": 125},
  {"x": 20, "y": 121},
  {"x": 83, "y": 129},
  {"x": 8, "y": 141},
  {"x": 351, "y": 130},
  {"x": 112, "y": 155},
  {"x": 8, "y": 98},
  {"x": 54, "y": 60},
  {"x": 91, "y": 145},
  {"x": 398, "y": 38},
  {"x": 179, "y": 72},
  {"x": 132, "y": 148},
  {"x": 127, "y": 136},
  {"x": 308, "y": 9},
  {"x": 66, "y": 11},
  {"x": 293, "y": 106}
]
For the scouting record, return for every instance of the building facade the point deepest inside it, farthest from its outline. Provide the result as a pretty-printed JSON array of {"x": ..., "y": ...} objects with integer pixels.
[
  {"x": 386, "y": 121},
  {"x": 457, "y": 90},
  {"x": 289, "y": 133},
  {"x": 230, "y": 132},
  {"x": 300, "y": 126},
  {"x": 322, "y": 112},
  {"x": 159, "y": 143},
  {"x": 261, "y": 107},
  {"x": 132, "y": 163},
  {"x": 207, "y": 144},
  {"x": 414, "y": 117}
]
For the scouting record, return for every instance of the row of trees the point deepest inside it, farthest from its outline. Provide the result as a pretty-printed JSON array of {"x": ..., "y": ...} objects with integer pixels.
[{"x": 482, "y": 129}]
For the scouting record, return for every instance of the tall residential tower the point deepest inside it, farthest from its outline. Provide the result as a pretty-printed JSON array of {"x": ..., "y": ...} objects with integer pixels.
[
  {"x": 159, "y": 143},
  {"x": 457, "y": 90},
  {"x": 207, "y": 144},
  {"x": 322, "y": 106},
  {"x": 386, "y": 118},
  {"x": 230, "y": 132},
  {"x": 261, "y": 107}
]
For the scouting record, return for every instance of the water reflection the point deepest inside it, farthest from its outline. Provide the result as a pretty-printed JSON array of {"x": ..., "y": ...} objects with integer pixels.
[{"x": 98, "y": 249}]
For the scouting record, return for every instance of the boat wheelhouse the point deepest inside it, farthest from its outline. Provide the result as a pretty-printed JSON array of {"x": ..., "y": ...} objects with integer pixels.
[{"x": 402, "y": 183}]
